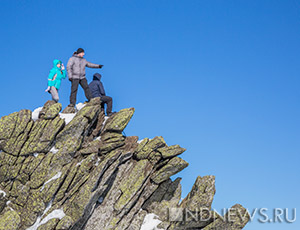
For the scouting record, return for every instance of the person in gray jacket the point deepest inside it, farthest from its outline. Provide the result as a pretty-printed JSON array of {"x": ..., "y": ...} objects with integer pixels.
[{"x": 76, "y": 73}]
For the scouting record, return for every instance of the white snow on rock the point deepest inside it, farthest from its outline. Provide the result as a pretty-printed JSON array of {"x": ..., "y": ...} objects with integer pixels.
[
  {"x": 67, "y": 116},
  {"x": 35, "y": 113},
  {"x": 53, "y": 150},
  {"x": 79, "y": 163},
  {"x": 97, "y": 163},
  {"x": 150, "y": 222},
  {"x": 79, "y": 106},
  {"x": 4, "y": 193},
  {"x": 105, "y": 119},
  {"x": 53, "y": 178},
  {"x": 57, "y": 213},
  {"x": 140, "y": 141},
  {"x": 35, "y": 154}
]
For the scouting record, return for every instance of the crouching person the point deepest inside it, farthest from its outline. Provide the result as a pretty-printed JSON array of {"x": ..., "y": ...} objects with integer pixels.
[{"x": 97, "y": 90}]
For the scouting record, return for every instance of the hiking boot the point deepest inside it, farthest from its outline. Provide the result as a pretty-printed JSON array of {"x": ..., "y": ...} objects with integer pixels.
[{"x": 110, "y": 114}]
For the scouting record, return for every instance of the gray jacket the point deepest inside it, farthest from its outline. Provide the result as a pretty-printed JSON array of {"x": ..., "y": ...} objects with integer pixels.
[{"x": 76, "y": 67}]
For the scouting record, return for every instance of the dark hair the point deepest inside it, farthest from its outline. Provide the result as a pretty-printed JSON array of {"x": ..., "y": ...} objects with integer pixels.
[{"x": 79, "y": 50}]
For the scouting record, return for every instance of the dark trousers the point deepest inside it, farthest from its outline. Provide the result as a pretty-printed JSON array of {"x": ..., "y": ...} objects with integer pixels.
[
  {"x": 106, "y": 100},
  {"x": 74, "y": 88}
]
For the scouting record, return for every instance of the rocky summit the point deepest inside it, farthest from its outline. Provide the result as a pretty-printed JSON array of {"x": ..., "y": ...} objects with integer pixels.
[{"x": 83, "y": 173}]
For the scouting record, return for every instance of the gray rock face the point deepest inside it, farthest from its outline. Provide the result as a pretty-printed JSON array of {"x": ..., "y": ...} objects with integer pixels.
[{"x": 87, "y": 175}]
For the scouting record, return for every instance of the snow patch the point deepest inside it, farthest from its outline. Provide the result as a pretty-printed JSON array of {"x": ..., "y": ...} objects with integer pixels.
[
  {"x": 79, "y": 163},
  {"x": 97, "y": 163},
  {"x": 53, "y": 150},
  {"x": 67, "y": 116},
  {"x": 57, "y": 213},
  {"x": 4, "y": 193},
  {"x": 150, "y": 222},
  {"x": 140, "y": 141},
  {"x": 53, "y": 178},
  {"x": 35, "y": 113},
  {"x": 79, "y": 106},
  {"x": 35, "y": 154},
  {"x": 105, "y": 119}
]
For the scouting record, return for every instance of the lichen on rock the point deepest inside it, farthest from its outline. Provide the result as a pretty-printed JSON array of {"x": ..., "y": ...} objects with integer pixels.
[{"x": 94, "y": 175}]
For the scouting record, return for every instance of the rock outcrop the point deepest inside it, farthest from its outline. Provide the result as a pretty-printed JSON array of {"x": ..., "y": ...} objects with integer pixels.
[{"x": 85, "y": 174}]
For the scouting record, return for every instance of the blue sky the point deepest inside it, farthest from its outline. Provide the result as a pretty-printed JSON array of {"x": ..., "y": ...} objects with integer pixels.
[{"x": 220, "y": 78}]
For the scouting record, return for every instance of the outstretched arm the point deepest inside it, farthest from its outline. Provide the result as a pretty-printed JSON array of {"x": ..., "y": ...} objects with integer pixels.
[{"x": 92, "y": 65}]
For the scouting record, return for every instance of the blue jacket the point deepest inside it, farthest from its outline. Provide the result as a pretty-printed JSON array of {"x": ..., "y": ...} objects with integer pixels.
[
  {"x": 96, "y": 86},
  {"x": 56, "y": 75}
]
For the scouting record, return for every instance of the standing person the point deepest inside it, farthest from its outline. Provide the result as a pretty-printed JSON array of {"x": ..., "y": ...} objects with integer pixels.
[
  {"x": 57, "y": 73},
  {"x": 97, "y": 90},
  {"x": 76, "y": 72}
]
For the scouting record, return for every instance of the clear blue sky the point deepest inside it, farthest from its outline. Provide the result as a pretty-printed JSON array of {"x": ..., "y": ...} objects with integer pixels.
[{"x": 220, "y": 78}]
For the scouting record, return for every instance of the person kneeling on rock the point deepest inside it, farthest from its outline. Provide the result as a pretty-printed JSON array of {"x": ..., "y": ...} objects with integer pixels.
[{"x": 97, "y": 90}]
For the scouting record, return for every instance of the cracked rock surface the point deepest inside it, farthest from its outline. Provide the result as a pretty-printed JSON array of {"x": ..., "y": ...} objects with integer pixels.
[{"x": 86, "y": 175}]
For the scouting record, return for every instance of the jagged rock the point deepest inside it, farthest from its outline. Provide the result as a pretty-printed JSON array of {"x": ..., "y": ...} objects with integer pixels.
[
  {"x": 69, "y": 140},
  {"x": 65, "y": 223},
  {"x": 46, "y": 106},
  {"x": 138, "y": 220},
  {"x": 9, "y": 220},
  {"x": 197, "y": 204},
  {"x": 99, "y": 178},
  {"x": 235, "y": 219},
  {"x": 50, "y": 225},
  {"x": 42, "y": 136},
  {"x": 53, "y": 111},
  {"x": 110, "y": 146},
  {"x": 174, "y": 166},
  {"x": 20, "y": 126},
  {"x": 148, "y": 147},
  {"x": 69, "y": 109},
  {"x": 7, "y": 125},
  {"x": 33, "y": 208},
  {"x": 171, "y": 151},
  {"x": 133, "y": 182},
  {"x": 90, "y": 147},
  {"x": 201, "y": 195},
  {"x": 22, "y": 193},
  {"x": 99, "y": 126},
  {"x": 116, "y": 198},
  {"x": 119, "y": 121},
  {"x": 3, "y": 201},
  {"x": 165, "y": 197}
]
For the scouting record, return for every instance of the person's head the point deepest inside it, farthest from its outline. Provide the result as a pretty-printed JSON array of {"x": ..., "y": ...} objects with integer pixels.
[
  {"x": 57, "y": 63},
  {"x": 97, "y": 76},
  {"x": 80, "y": 52}
]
